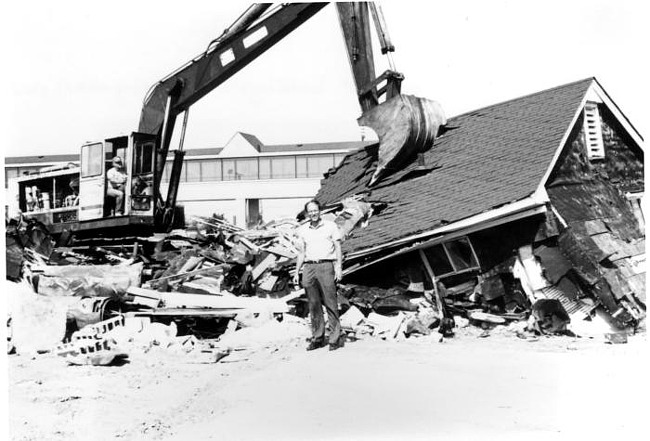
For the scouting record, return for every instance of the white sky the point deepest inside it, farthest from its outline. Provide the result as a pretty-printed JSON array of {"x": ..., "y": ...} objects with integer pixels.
[{"x": 78, "y": 70}]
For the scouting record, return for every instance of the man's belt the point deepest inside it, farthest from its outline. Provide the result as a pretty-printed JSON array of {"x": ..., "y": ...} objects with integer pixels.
[{"x": 320, "y": 261}]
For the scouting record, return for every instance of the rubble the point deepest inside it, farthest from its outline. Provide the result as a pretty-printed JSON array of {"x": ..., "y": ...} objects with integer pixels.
[
  {"x": 213, "y": 288},
  {"x": 37, "y": 322}
]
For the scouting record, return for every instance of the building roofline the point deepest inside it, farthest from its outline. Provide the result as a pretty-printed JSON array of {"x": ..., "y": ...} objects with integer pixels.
[
  {"x": 529, "y": 95},
  {"x": 265, "y": 150}
]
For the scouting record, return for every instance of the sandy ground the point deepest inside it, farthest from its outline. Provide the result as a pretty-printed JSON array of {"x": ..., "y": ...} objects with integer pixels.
[{"x": 468, "y": 387}]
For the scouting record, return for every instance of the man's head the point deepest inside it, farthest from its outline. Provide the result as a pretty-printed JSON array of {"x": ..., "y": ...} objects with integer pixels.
[
  {"x": 312, "y": 208},
  {"x": 117, "y": 162}
]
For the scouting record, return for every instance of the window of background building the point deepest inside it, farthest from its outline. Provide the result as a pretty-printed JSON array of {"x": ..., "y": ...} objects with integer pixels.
[
  {"x": 301, "y": 167},
  {"x": 166, "y": 171},
  {"x": 193, "y": 171},
  {"x": 283, "y": 167},
  {"x": 229, "y": 170},
  {"x": 278, "y": 167},
  {"x": 319, "y": 164},
  {"x": 338, "y": 157},
  {"x": 210, "y": 169},
  {"x": 11, "y": 173},
  {"x": 183, "y": 173},
  {"x": 265, "y": 168},
  {"x": 247, "y": 168}
]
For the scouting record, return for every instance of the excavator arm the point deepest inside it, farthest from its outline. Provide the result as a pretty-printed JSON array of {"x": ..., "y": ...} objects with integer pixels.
[
  {"x": 245, "y": 40},
  {"x": 257, "y": 30}
]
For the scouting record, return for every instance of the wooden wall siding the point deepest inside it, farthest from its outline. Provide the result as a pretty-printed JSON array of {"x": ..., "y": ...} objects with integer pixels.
[
  {"x": 622, "y": 165},
  {"x": 595, "y": 200},
  {"x": 603, "y": 240}
]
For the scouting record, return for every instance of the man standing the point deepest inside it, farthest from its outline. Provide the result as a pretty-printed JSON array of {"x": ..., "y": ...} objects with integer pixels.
[
  {"x": 321, "y": 255},
  {"x": 116, "y": 180}
]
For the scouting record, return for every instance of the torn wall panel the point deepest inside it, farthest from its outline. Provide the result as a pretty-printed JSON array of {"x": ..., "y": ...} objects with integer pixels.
[{"x": 554, "y": 263}]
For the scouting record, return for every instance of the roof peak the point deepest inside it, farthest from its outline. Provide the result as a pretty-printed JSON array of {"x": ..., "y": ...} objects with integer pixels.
[{"x": 529, "y": 95}]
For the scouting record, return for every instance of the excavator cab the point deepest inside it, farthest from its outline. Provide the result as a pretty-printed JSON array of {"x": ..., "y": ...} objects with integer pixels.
[
  {"x": 130, "y": 157},
  {"x": 78, "y": 199}
]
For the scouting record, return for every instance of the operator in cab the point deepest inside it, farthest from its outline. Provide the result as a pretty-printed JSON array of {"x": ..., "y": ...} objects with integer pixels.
[{"x": 116, "y": 180}]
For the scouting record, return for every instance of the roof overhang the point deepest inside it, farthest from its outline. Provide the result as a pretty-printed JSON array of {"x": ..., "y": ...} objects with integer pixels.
[{"x": 533, "y": 205}]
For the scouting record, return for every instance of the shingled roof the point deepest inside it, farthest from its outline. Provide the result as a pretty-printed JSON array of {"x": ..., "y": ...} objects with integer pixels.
[{"x": 487, "y": 158}]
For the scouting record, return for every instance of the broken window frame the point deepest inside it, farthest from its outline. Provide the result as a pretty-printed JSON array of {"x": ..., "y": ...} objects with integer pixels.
[{"x": 474, "y": 265}]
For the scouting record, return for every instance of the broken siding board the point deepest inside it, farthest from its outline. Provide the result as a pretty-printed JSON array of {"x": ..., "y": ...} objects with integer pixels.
[
  {"x": 608, "y": 244},
  {"x": 573, "y": 248},
  {"x": 633, "y": 265},
  {"x": 596, "y": 226},
  {"x": 254, "y": 248},
  {"x": 625, "y": 227},
  {"x": 212, "y": 288},
  {"x": 549, "y": 228},
  {"x": 145, "y": 297},
  {"x": 265, "y": 264},
  {"x": 595, "y": 200},
  {"x": 553, "y": 262},
  {"x": 617, "y": 285},
  {"x": 268, "y": 282},
  {"x": 280, "y": 251},
  {"x": 637, "y": 284},
  {"x": 569, "y": 288}
]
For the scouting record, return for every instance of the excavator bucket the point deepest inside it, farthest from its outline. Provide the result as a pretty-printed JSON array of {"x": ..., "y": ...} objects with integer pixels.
[{"x": 406, "y": 126}]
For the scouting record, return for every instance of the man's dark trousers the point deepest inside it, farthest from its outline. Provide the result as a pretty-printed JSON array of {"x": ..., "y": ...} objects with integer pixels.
[{"x": 318, "y": 281}]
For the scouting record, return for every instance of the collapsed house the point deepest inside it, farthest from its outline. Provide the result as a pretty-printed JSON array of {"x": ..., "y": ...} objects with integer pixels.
[
  {"x": 525, "y": 209},
  {"x": 536, "y": 198}
]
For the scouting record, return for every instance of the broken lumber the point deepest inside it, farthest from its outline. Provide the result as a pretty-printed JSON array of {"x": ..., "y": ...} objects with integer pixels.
[
  {"x": 204, "y": 270},
  {"x": 265, "y": 264},
  {"x": 280, "y": 251},
  {"x": 183, "y": 300},
  {"x": 293, "y": 295},
  {"x": 145, "y": 297},
  {"x": 254, "y": 248}
]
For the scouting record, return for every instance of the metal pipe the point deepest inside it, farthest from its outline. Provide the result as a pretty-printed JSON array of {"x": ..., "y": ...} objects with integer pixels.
[
  {"x": 243, "y": 22},
  {"x": 382, "y": 32},
  {"x": 165, "y": 127},
  {"x": 182, "y": 140}
]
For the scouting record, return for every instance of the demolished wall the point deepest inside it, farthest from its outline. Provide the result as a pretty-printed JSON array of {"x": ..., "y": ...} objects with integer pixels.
[{"x": 603, "y": 239}]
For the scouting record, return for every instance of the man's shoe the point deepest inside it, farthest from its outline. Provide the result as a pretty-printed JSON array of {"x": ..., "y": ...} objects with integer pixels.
[
  {"x": 316, "y": 343},
  {"x": 337, "y": 344}
]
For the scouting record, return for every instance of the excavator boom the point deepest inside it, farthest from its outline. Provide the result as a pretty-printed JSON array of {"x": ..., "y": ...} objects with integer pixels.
[{"x": 257, "y": 30}]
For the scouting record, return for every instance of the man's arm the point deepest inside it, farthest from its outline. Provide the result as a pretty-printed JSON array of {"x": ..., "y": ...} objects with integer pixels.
[
  {"x": 338, "y": 265},
  {"x": 299, "y": 261}
]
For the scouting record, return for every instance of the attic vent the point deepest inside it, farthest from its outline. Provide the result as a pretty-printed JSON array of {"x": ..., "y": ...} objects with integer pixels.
[{"x": 593, "y": 133}]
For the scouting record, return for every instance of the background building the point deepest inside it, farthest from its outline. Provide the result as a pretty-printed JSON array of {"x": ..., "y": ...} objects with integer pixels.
[{"x": 245, "y": 180}]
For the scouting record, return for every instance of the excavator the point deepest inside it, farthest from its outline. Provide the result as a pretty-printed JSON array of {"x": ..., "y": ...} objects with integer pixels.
[{"x": 74, "y": 200}]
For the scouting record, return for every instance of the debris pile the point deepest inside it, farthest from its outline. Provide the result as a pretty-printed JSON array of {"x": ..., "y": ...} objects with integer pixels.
[{"x": 213, "y": 288}]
